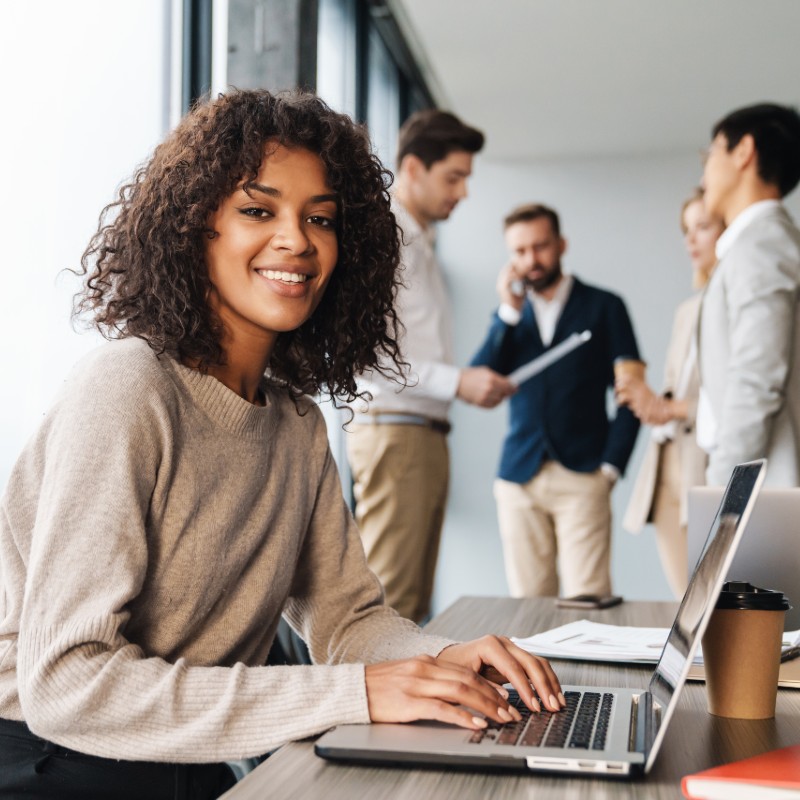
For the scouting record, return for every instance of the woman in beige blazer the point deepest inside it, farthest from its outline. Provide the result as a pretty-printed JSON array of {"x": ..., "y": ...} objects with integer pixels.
[{"x": 673, "y": 461}]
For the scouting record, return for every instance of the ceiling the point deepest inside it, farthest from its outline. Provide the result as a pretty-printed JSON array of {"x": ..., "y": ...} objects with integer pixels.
[{"x": 550, "y": 79}]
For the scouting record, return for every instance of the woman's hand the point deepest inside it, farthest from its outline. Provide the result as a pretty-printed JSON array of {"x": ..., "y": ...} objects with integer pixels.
[
  {"x": 462, "y": 685},
  {"x": 431, "y": 688},
  {"x": 650, "y": 408},
  {"x": 501, "y": 661}
]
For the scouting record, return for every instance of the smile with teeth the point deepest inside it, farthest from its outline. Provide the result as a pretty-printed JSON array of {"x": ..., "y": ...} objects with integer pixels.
[{"x": 279, "y": 275}]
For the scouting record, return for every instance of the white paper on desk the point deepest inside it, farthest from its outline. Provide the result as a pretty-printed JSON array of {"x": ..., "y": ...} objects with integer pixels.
[
  {"x": 526, "y": 371},
  {"x": 594, "y": 641}
]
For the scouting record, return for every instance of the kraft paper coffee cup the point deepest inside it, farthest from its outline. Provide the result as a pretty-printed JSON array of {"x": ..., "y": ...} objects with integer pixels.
[
  {"x": 627, "y": 366},
  {"x": 742, "y": 651}
]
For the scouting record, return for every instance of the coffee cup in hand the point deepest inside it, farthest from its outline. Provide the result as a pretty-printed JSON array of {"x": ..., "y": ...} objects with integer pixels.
[{"x": 629, "y": 367}]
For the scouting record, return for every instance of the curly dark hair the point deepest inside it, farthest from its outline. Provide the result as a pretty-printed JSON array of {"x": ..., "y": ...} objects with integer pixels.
[{"x": 146, "y": 267}]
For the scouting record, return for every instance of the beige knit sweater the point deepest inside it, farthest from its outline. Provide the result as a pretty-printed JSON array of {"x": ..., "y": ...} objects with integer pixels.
[{"x": 151, "y": 534}]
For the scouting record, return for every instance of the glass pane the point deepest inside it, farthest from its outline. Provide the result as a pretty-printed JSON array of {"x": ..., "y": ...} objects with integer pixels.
[
  {"x": 383, "y": 100},
  {"x": 336, "y": 54}
]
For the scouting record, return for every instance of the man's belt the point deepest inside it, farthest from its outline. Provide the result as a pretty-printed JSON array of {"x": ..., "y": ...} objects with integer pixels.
[{"x": 387, "y": 418}]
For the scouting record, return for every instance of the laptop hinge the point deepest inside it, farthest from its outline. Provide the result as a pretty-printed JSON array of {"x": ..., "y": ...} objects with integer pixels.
[{"x": 644, "y": 724}]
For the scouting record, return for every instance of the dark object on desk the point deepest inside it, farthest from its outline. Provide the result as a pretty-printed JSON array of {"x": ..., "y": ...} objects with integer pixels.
[
  {"x": 589, "y": 601},
  {"x": 632, "y": 722},
  {"x": 777, "y": 771}
]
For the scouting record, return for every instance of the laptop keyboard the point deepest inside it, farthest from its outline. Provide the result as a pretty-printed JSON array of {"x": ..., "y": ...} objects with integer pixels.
[{"x": 581, "y": 725}]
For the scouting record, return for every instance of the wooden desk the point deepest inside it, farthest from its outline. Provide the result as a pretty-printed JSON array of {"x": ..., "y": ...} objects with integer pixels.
[{"x": 694, "y": 741}]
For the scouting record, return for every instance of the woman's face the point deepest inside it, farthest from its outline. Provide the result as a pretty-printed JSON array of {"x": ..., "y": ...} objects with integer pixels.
[
  {"x": 275, "y": 247},
  {"x": 700, "y": 233}
]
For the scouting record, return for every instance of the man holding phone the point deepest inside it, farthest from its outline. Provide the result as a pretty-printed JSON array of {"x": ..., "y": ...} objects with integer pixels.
[{"x": 562, "y": 454}]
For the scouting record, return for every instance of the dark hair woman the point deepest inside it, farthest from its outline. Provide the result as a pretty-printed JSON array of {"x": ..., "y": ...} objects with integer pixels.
[{"x": 180, "y": 495}]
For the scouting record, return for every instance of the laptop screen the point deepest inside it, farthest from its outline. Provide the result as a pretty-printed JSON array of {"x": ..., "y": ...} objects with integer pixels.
[{"x": 706, "y": 582}]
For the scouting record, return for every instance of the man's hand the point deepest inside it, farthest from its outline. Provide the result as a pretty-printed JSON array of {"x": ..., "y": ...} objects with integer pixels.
[
  {"x": 483, "y": 387},
  {"x": 506, "y": 281}
]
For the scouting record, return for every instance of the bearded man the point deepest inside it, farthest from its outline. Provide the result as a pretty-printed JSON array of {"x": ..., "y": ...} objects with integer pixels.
[{"x": 562, "y": 454}]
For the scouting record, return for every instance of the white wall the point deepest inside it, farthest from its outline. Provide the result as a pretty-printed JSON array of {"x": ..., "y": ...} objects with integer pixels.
[
  {"x": 620, "y": 216},
  {"x": 86, "y": 98}
]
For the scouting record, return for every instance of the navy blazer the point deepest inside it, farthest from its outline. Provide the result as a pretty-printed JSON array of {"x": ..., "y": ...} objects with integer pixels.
[{"x": 561, "y": 413}]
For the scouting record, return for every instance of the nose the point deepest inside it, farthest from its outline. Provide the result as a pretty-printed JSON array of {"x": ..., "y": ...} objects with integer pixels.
[
  {"x": 462, "y": 191},
  {"x": 290, "y": 235}
]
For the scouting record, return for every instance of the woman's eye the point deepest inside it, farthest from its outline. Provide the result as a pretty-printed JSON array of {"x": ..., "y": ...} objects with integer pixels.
[
  {"x": 323, "y": 222},
  {"x": 255, "y": 212}
]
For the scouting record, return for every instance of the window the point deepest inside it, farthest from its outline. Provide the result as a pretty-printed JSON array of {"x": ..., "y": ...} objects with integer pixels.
[{"x": 337, "y": 54}]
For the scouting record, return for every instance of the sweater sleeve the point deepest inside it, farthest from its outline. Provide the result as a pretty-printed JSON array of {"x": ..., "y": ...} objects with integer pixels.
[
  {"x": 81, "y": 683},
  {"x": 337, "y": 601}
]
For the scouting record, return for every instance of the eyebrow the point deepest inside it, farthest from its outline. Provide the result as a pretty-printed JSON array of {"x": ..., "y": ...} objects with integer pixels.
[{"x": 270, "y": 191}]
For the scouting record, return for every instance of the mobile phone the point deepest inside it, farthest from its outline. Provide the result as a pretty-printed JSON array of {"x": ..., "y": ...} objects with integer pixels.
[
  {"x": 518, "y": 287},
  {"x": 589, "y": 601}
]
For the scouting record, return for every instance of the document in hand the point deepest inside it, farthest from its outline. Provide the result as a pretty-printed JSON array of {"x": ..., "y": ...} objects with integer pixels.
[
  {"x": 540, "y": 363},
  {"x": 770, "y": 776},
  {"x": 595, "y": 641}
]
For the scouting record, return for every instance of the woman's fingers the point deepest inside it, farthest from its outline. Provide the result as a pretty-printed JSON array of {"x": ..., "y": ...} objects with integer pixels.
[
  {"x": 424, "y": 688},
  {"x": 450, "y": 688},
  {"x": 503, "y": 660}
]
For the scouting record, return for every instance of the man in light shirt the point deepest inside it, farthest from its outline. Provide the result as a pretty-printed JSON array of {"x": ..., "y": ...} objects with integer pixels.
[
  {"x": 562, "y": 454},
  {"x": 397, "y": 446},
  {"x": 749, "y": 332}
]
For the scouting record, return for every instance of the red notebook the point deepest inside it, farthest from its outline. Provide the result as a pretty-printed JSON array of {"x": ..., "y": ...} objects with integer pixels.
[{"x": 771, "y": 776}]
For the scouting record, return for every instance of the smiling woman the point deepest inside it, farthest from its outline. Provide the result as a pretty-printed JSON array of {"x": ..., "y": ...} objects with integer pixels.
[
  {"x": 142, "y": 270},
  {"x": 180, "y": 496},
  {"x": 271, "y": 255}
]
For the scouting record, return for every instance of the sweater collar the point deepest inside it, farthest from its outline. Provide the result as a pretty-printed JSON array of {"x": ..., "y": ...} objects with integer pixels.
[{"x": 226, "y": 408}]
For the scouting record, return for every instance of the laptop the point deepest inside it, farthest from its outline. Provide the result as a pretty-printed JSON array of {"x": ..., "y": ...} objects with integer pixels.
[
  {"x": 624, "y": 729},
  {"x": 769, "y": 555}
]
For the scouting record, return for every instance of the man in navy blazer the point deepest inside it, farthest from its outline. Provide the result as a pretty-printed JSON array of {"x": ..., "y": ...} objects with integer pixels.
[{"x": 562, "y": 454}]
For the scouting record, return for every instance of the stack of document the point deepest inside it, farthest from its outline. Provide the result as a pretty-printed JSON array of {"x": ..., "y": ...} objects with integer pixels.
[{"x": 594, "y": 641}]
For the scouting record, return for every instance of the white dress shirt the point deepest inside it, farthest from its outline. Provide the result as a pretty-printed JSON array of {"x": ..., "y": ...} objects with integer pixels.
[
  {"x": 545, "y": 312},
  {"x": 706, "y": 423},
  {"x": 423, "y": 308}
]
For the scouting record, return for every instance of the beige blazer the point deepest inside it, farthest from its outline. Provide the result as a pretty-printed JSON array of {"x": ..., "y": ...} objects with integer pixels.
[
  {"x": 749, "y": 345},
  {"x": 691, "y": 457}
]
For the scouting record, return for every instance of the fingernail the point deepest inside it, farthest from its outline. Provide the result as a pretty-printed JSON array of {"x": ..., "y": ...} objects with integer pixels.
[
  {"x": 553, "y": 701},
  {"x": 502, "y": 691},
  {"x": 562, "y": 699},
  {"x": 515, "y": 714},
  {"x": 503, "y": 714},
  {"x": 479, "y": 722},
  {"x": 535, "y": 704}
]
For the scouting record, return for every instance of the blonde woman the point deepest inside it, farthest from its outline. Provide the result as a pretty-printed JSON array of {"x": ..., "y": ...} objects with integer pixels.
[{"x": 673, "y": 461}]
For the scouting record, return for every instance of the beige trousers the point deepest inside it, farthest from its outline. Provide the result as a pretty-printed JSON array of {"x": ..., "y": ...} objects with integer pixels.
[
  {"x": 671, "y": 536},
  {"x": 556, "y": 524},
  {"x": 400, "y": 475}
]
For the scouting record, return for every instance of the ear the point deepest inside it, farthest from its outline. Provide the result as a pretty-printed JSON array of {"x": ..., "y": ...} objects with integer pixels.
[
  {"x": 562, "y": 246},
  {"x": 745, "y": 153},
  {"x": 412, "y": 166}
]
